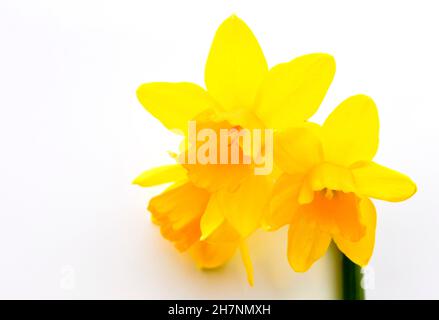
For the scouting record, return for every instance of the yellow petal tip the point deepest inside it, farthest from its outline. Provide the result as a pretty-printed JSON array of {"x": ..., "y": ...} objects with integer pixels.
[
  {"x": 247, "y": 262},
  {"x": 204, "y": 237},
  {"x": 233, "y": 18},
  {"x": 136, "y": 181},
  {"x": 415, "y": 189},
  {"x": 325, "y": 57}
]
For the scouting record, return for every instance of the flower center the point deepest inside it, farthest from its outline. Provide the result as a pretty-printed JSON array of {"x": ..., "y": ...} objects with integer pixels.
[{"x": 328, "y": 193}]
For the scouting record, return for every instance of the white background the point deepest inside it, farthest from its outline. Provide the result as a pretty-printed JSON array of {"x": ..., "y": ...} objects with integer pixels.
[{"x": 73, "y": 136}]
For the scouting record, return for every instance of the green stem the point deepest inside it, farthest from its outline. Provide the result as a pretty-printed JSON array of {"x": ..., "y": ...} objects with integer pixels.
[{"x": 352, "y": 289}]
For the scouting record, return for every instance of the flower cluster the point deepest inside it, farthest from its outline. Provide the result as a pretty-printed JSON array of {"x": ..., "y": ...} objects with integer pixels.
[{"x": 323, "y": 175}]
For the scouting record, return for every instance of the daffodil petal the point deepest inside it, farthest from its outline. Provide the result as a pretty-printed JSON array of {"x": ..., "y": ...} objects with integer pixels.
[
  {"x": 212, "y": 218},
  {"x": 306, "y": 243},
  {"x": 293, "y": 91},
  {"x": 161, "y": 175},
  {"x": 306, "y": 193},
  {"x": 236, "y": 65},
  {"x": 350, "y": 133},
  {"x": 283, "y": 202},
  {"x": 217, "y": 176},
  {"x": 376, "y": 181},
  {"x": 345, "y": 209},
  {"x": 174, "y": 104},
  {"x": 224, "y": 233},
  {"x": 361, "y": 251},
  {"x": 212, "y": 255},
  {"x": 336, "y": 213},
  {"x": 244, "y": 207},
  {"x": 212, "y": 174},
  {"x": 178, "y": 212},
  {"x": 245, "y": 255},
  {"x": 332, "y": 177},
  {"x": 297, "y": 150}
]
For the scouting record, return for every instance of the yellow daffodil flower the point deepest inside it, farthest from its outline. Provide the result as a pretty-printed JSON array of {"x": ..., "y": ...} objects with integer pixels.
[
  {"x": 212, "y": 208},
  {"x": 328, "y": 179}
]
